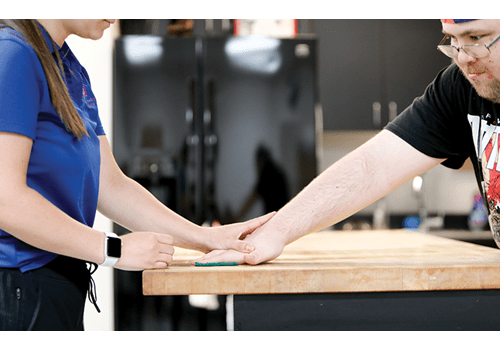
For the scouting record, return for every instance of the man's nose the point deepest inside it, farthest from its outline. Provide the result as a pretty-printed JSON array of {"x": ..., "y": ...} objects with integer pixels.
[{"x": 464, "y": 58}]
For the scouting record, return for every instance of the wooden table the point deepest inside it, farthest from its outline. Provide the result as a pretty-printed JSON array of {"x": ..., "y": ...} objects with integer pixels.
[{"x": 360, "y": 280}]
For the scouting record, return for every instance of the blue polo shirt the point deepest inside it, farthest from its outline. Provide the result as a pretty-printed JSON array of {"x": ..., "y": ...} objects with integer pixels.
[{"x": 62, "y": 168}]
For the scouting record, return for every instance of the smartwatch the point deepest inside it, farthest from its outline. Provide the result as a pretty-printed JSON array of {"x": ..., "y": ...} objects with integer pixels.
[{"x": 112, "y": 249}]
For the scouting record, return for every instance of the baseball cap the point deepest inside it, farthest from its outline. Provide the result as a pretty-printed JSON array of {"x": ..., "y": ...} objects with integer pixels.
[{"x": 456, "y": 21}]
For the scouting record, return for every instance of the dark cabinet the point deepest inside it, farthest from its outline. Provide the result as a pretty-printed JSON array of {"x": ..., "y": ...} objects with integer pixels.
[{"x": 371, "y": 70}]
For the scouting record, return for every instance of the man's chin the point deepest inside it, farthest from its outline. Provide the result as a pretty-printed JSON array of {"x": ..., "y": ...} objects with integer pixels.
[{"x": 490, "y": 93}]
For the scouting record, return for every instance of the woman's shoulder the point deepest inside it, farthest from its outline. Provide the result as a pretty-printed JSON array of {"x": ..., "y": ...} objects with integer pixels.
[
  {"x": 16, "y": 52},
  {"x": 12, "y": 43}
]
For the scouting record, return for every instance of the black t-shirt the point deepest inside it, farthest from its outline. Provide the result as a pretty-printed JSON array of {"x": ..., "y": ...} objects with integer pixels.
[{"x": 452, "y": 121}]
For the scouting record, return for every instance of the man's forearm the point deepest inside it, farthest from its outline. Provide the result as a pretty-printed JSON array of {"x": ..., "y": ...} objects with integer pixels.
[{"x": 354, "y": 182}]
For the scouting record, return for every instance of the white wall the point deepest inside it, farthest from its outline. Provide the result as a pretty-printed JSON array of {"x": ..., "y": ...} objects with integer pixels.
[{"x": 96, "y": 57}]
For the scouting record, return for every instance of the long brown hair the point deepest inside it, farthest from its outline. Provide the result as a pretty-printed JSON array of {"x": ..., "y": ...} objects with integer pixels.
[{"x": 30, "y": 30}]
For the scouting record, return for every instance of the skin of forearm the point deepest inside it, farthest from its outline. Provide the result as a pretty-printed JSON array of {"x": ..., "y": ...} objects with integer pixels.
[
  {"x": 126, "y": 202},
  {"x": 354, "y": 182},
  {"x": 115, "y": 203},
  {"x": 28, "y": 216},
  {"x": 329, "y": 198}
]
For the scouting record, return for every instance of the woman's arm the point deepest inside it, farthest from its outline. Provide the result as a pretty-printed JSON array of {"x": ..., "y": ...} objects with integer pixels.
[
  {"x": 28, "y": 216},
  {"x": 127, "y": 203},
  {"x": 31, "y": 218}
]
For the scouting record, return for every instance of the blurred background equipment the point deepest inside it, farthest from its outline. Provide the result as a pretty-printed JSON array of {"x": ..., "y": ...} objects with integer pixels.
[{"x": 189, "y": 115}]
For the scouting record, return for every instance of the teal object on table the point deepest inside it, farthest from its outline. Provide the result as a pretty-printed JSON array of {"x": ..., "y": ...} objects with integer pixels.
[{"x": 217, "y": 264}]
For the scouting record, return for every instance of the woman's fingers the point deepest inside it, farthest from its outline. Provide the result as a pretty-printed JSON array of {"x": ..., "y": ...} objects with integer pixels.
[
  {"x": 145, "y": 250},
  {"x": 253, "y": 224}
]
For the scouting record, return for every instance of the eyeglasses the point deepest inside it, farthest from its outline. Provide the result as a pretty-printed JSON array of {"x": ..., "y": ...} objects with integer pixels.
[{"x": 474, "y": 50}]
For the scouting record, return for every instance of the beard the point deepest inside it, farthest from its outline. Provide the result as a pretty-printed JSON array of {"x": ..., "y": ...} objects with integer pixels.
[{"x": 489, "y": 90}]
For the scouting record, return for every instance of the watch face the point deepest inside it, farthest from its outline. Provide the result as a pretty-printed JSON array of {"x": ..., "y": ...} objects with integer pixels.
[{"x": 114, "y": 247}]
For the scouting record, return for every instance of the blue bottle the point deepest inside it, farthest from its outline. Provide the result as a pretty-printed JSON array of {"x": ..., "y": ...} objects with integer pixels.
[{"x": 478, "y": 217}]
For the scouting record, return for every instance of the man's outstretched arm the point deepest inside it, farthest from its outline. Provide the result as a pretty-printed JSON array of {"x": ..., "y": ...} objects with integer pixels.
[{"x": 360, "y": 178}]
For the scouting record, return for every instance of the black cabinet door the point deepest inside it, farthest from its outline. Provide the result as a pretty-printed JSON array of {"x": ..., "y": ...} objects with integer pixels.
[
  {"x": 349, "y": 72},
  {"x": 370, "y": 70},
  {"x": 411, "y": 61}
]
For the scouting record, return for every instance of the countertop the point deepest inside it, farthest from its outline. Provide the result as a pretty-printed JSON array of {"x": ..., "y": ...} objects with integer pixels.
[{"x": 339, "y": 262}]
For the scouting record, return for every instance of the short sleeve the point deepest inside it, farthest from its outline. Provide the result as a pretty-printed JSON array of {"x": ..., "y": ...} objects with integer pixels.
[
  {"x": 19, "y": 89},
  {"x": 436, "y": 123}
]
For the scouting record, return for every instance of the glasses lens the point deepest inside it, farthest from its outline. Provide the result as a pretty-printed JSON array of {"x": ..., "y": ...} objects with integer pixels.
[
  {"x": 477, "y": 51},
  {"x": 449, "y": 51}
]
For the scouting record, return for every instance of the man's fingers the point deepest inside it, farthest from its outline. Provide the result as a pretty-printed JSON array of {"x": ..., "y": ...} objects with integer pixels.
[
  {"x": 207, "y": 257},
  {"x": 220, "y": 256},
  {"x": 252, "y": 258}
]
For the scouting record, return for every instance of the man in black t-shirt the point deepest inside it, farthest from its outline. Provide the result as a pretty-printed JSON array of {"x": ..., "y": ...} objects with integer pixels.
[{"x": 457, "y": 117}]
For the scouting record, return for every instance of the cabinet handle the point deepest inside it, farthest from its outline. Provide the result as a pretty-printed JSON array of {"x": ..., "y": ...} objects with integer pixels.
[
  {"x": 190, "y": 110},
  {"x": 209, "y": 115},
  {"x": 377, "y": 115},
  {"x": 393, "y": 110}
]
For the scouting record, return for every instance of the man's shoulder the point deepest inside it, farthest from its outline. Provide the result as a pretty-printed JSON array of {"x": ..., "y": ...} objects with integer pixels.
[{"x": 451, "y": 86}]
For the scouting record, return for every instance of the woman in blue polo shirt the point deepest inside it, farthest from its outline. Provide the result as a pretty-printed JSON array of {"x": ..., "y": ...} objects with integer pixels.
[{"x": 56, "y": 170}]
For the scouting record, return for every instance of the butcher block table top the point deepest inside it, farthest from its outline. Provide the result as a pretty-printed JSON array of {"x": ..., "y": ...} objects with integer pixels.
[{"x": 340, "y": 262}]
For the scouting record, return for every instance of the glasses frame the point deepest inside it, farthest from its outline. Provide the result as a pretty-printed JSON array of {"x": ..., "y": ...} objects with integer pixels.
[{"x": 440, "y": 47}]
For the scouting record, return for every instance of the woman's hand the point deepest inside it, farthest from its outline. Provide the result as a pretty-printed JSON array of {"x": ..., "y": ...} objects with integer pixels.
[
  {"x": 145, "y": 250},
  {"x": 232, "y": 236}
]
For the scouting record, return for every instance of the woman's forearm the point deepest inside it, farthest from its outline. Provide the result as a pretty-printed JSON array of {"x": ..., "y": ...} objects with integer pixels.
[{"x": 130, "y": 205}]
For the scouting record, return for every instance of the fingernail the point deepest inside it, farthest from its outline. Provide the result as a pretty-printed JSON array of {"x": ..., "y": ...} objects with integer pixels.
[{"x": 250, "y": 248}]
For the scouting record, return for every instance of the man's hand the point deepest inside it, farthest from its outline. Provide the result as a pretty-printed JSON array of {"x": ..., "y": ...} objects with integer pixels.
[{"x": 266, "y": 249}]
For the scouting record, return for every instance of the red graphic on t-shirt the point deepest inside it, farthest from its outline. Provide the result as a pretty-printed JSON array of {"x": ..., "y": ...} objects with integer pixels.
[{"x": 493, "y": 180}]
